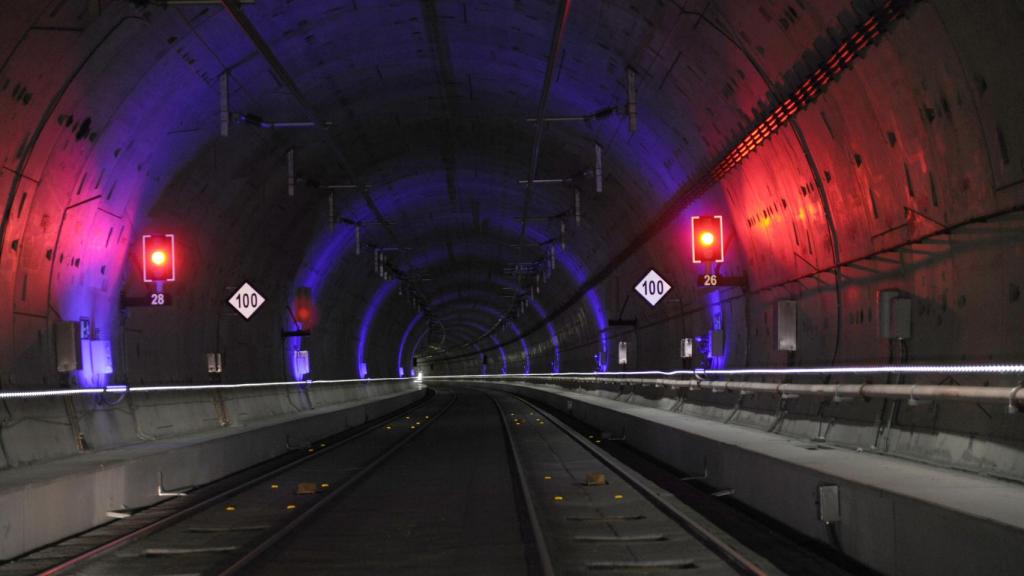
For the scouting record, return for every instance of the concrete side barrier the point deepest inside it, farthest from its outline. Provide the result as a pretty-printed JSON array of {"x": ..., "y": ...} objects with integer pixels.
[
  {"x": 44, "y": 503},
  {"x": 895, "y": 516}
]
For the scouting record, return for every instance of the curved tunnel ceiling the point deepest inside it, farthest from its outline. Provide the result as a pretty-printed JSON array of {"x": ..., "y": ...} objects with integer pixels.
[{"x": 427, "y": 140}]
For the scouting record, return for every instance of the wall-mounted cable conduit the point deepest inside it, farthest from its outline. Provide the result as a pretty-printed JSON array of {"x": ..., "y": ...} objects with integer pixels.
[{"x": 921, "y": 393}]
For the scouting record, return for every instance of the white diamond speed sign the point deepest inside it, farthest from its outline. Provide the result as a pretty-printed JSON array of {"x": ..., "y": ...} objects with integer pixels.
[
  {"x": 246, "y": 300},
  {"x": 653, "y": 288}
]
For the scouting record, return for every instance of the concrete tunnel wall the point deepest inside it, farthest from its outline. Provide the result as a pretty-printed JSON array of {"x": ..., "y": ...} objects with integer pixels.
[{"x": 906, "y": 170}]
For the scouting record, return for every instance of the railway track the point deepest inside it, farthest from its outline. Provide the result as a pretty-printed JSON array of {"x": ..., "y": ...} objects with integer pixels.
[
  {"x": 471, "y": 481},
  {"x": 600, "y": 516},
  {"x": 73, "y": 554}
]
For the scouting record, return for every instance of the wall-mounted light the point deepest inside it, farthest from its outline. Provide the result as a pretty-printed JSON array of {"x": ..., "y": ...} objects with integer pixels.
[{"x": 158, "y": 258}]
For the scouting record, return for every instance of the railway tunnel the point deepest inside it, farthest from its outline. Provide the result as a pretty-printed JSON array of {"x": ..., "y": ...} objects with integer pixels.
[{"x": 682, "y": 286}]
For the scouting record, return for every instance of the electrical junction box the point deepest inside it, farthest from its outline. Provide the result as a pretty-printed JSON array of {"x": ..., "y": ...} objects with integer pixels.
[
  {"x": 214, "y": 363},
  {"x": 68, "y": 337},
  {"x": 96, "y": 357},
  {"x": 101, "y": 356},
  {"x": 717, "y": 338},
  {"x": 899, "y": 325},
  {"x": 894, "y": 315},
  {"x": 828, "y": 504},
  {"x": 785, "y": 316},
  {"x": 686, "y": 348},
  {"x": 300, "y": 360}
]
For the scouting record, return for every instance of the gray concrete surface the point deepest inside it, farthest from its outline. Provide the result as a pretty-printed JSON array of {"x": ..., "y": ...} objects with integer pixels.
[
  {"x": 897, "y": 517},
  {"x": 42, "y": 503}
]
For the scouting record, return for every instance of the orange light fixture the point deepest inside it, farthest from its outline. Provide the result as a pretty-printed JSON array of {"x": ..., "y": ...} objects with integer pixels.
[
  {"x": 706, "y": 238},
  {"x": 158, "y": 257}
]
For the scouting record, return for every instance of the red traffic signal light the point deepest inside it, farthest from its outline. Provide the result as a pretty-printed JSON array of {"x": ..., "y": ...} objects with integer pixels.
[
  {"x": 158, "y": 258},
  {"x": 706, "y": 232},
  {"x": 305, "y": 312}
]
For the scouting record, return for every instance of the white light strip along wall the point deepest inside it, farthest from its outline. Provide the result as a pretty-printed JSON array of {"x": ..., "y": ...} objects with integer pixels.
[
  {"x": 123, "y": 389},
  {"x": 907, "y": 369},
  {"x": 890, "y": 369},
  {"x": 49, "y": 393}
]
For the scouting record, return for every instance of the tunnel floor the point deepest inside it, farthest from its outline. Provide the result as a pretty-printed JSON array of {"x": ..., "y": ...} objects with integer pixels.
[{"x": 469, "y": 481}]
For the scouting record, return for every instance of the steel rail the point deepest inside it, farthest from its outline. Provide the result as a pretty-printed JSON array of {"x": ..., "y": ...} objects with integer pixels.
[
  {"x": 239, "y": 564},
  {"x": 205, "y": 503},
  {"x": 727, "y": 552},
  {"x": 540, "y": 544}
]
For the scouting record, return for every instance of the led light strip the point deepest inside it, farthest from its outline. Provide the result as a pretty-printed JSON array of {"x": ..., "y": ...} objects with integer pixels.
[
  {"x": 908, "y": 369},
  {"x": 47, "y": 393},
  {"x": 889, "y": 369},
  {"x": 885, "y": 369},
  {"x": 123, "y": 389}
]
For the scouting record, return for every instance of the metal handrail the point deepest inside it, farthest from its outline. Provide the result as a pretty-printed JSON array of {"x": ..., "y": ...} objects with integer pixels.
[{"x": 1013, "y": 397}]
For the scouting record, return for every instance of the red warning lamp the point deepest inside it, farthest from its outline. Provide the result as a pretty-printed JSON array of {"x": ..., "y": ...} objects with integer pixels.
[
  {"x": 158, "y": 258},
  {"x": 707, "y": 239},
  {"x": 305, "y": 313}
]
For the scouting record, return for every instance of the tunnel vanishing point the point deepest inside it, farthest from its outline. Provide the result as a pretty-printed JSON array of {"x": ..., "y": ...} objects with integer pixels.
[{"x": 751, "y": 269}]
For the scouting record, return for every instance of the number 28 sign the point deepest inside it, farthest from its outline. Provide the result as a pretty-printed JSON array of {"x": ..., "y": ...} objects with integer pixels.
[{"x": 653, "y": 288}]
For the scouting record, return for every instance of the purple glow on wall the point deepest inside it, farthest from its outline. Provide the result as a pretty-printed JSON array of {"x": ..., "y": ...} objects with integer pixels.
[
  {"x": 496, "y": 313},
  {"x": 383, "y": 292},
  {"x": 592, "y": 299},
  {"x": 526, "y": 349},
  {"x": 329, "y": 248},
  {"x": 416, "y": 347},
  {"x": 501, "y": 350},
  {"x": 405, "y": 337},
  {"x": 557, "y": 363}
]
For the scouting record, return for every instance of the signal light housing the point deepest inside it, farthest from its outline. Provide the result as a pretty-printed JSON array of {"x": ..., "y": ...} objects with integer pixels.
[
  {"x": 706, "y": 239},
  {"x": 305, "y": 312},
  {"x": 158, "y": 263}
]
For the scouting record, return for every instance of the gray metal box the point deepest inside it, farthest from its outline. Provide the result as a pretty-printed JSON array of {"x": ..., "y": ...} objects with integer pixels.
[
  {"x": 214, "y": 363},
  {"x": 894, "y": 314},
  {"x": 102, "y": 357},
  {"x": 67, "y": 337},
  {"x": 686, "y": 348},
  {"x": 718, "y": 342},
  {"x": 786, "y": 325},
  {"x": 828, "y": 503},
  {"x": 899, "y": 324}
]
